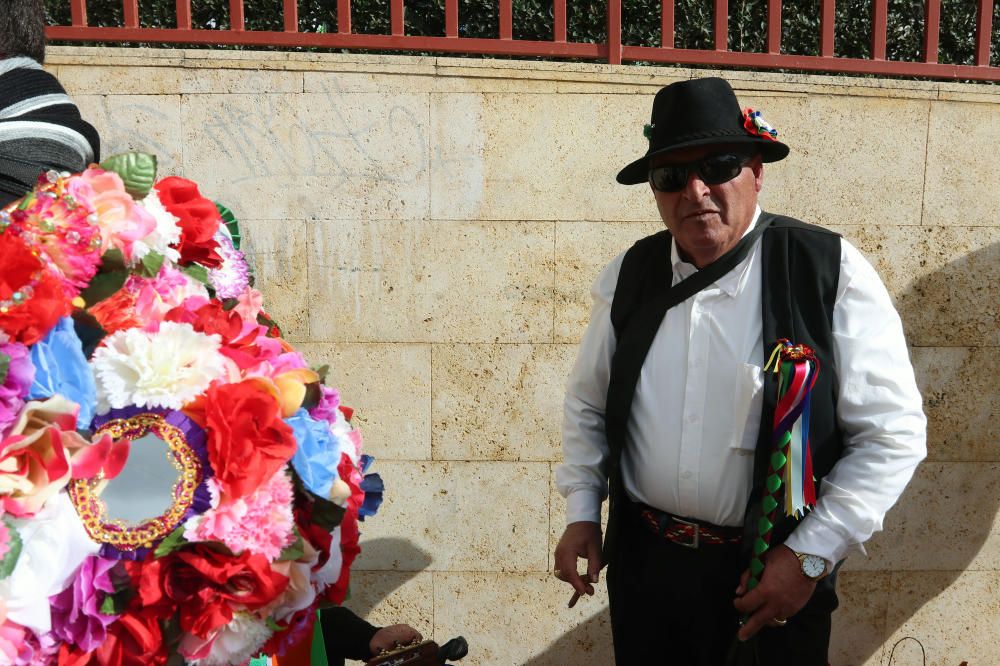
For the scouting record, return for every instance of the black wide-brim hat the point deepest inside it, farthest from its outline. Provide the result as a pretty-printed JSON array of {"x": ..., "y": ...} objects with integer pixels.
[{"x": 702, "y": 112}]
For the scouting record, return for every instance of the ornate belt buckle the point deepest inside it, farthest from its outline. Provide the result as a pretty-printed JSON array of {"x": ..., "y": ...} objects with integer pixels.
[{"x": 695, "y": 530}]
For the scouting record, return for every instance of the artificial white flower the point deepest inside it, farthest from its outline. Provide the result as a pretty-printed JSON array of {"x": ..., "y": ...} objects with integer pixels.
[
  {"x": 237, "y": 642},
  {"x": 55, "y": 544},
  {"x": 168, "y": 368},
  {"x": 329, "y": 573},
  {"x": 301, "y": 592},
  {"x": 166, "y": 233}
]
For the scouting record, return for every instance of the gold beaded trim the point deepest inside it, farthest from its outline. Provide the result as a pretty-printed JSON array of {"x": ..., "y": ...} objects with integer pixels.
[{"x": 85, "y": 493}]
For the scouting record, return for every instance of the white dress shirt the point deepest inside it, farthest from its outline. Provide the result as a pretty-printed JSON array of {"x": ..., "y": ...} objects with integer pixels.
[{"x": 693, "y": 427}]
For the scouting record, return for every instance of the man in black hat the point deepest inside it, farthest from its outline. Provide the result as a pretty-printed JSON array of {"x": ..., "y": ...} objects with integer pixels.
[{"x": 669, "y": 410}]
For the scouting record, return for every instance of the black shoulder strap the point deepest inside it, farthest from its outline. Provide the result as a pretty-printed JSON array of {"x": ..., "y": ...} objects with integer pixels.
[
  {"x": 644, "y": 273},
  {"x": 635, "y": 338}
]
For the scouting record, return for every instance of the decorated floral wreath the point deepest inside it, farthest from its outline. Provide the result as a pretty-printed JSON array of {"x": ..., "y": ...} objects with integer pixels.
[{"x": 130, "y": 328}]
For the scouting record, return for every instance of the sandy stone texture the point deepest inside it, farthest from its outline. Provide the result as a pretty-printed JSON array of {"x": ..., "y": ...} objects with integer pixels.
[
  {"x": 522, "y": 619},
  {"x": 583, "y": 249},
  {"x": 962, "y": 175},
  {"x": 946, "y": 520},
  {"x": 945, "y": 281},
  {"x": 390, "y": 597},
  {"x": 313, "y": 155},
  {"x": 840, "y": 147},
  {"x": 467, "y": 516},
  {"x": 498, "y": 402},
  {"x": 958, "y": 385},
  {"x": 952, "y": 615},
  {"x": 394, "y": 281},
  {"x": 859, "y": 624},
  {"x": 389, "y": 387},
  {"x": 278, "y": 251},
  {"x": 147, "y": 123}
]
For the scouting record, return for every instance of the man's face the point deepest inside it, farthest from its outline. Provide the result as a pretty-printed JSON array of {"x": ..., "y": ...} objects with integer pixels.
[{"x": 708, "y": 220}]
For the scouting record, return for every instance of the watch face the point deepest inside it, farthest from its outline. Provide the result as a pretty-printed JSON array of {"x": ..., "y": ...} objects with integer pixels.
[{"x": 813, "y": 566}]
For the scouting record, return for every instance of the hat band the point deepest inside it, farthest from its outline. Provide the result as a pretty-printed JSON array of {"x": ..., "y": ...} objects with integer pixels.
[{"x": 706, "y": 134}]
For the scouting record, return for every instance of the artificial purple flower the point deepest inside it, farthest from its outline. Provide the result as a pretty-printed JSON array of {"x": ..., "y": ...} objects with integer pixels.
[
  {"x": 233, "y": 277},
  {"x": 326, "y": 408},
  {"x": 76, "y": 616},
  {"x": 15, "y": 386}
]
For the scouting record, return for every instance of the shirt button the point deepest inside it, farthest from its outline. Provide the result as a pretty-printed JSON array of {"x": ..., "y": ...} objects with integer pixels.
[
  {"x": 691, "y": 418},
  {"x": 686, "y": 474}
]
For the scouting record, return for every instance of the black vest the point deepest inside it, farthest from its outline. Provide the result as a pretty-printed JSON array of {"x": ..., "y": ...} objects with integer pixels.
[{"x": 800, "y": 269}]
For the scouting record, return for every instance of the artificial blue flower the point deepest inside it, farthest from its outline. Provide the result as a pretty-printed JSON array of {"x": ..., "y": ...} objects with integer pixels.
[
  {"x": 317, "y": 455},
  {"x": 61, "y": 367},
  {"x": 373, "y": 487}
]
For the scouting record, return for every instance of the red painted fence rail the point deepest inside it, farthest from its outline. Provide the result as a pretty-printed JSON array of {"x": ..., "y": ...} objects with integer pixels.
[{"x": 613, "y": 51}]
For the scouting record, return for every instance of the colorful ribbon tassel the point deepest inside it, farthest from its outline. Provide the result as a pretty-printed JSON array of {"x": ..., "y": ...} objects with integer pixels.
[
  {"x": 790, "y": 466},
  {"x": 798, "y": 368}
]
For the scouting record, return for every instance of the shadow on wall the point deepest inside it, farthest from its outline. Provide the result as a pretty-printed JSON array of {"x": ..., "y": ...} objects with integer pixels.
[
  {"x": 408, "y": 559},
  {"x": 945, "y": 516},
  {"x": 588, "y": 643}
]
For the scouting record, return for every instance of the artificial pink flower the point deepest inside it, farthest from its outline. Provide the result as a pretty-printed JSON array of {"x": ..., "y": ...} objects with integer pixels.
[
  {"x": 142, "y": 302},
  {"x": 121, "y": 220},
  {"x": 65, "y": 231},
  {"x": 42, "y": 453},
  {"x": 259, "y": 523},
  {"x": 251, "y": 304}
]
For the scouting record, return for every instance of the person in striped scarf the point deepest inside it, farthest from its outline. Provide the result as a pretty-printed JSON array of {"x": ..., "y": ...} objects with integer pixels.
[{"x": 40, "y": 126}]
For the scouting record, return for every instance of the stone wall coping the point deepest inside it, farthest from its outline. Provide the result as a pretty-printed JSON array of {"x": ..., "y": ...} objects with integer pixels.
[{"x": 635, "y": 77}]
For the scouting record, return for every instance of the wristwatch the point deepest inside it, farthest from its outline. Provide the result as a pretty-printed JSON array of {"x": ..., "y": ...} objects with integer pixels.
[{"x": 813, "y": 566}]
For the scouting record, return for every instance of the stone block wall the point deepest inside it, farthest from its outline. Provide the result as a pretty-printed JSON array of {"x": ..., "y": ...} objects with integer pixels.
[{"x": 430, "y": 228}]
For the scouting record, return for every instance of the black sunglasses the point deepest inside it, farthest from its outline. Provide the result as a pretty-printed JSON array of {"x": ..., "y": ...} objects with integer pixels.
[{"x": 712, "y": 171}]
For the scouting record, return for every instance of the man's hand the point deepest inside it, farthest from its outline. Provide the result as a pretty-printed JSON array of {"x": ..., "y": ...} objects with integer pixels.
[
  {"x": 388, "y": 638},
  {"x": 581, "y": 539},
  {"x": 782, "y": 592}
]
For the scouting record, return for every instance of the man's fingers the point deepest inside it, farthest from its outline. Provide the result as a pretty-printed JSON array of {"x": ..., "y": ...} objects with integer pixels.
[
  {"x": 594, "y": 563},
  {"x": 579, "y": 540},
  {"x": 567, "y": 572},
  {"x": 741, "y": 589},
  {"x": 750, "y": 601},
  {"x": 755, "y": 623},
  {"x": 578, "y": 583},
  {"x": 572, "y": 600}
]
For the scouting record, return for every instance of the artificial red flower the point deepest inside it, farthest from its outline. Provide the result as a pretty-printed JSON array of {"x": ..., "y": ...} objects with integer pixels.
[
  {"x": 349, "y": 533},
  {"x": 40, "y": 300},
  {"x": 198, "y": 217},
  {"x": 117, "y": 312},
  {"x": 205, "y": 586},
  {"x": 755, "y": 125},
  {"x": 239, "y": 345},
  {"x": 248, "y": 442},
  {"x": 317, "y": 535},
  {"x": 134, "y": 639}
]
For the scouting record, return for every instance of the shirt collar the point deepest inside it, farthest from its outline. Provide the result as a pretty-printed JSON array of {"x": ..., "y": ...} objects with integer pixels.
[{"x": 732, "y": 282}]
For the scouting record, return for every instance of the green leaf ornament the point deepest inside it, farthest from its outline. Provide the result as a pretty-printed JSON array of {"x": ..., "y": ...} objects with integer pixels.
[
  {"x": 14, "y": 545},
  {"x": 137, "y": 171}
]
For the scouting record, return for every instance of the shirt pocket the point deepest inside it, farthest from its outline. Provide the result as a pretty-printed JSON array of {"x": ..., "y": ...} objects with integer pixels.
[{"x": 748, "y": 401}]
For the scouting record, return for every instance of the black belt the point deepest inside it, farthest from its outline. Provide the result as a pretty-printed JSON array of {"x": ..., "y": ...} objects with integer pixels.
[{"x": 687, "y": 532}]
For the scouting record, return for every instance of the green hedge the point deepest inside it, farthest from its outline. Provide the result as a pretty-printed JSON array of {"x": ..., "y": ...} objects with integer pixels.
[{"x": 586, "y": 22}]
